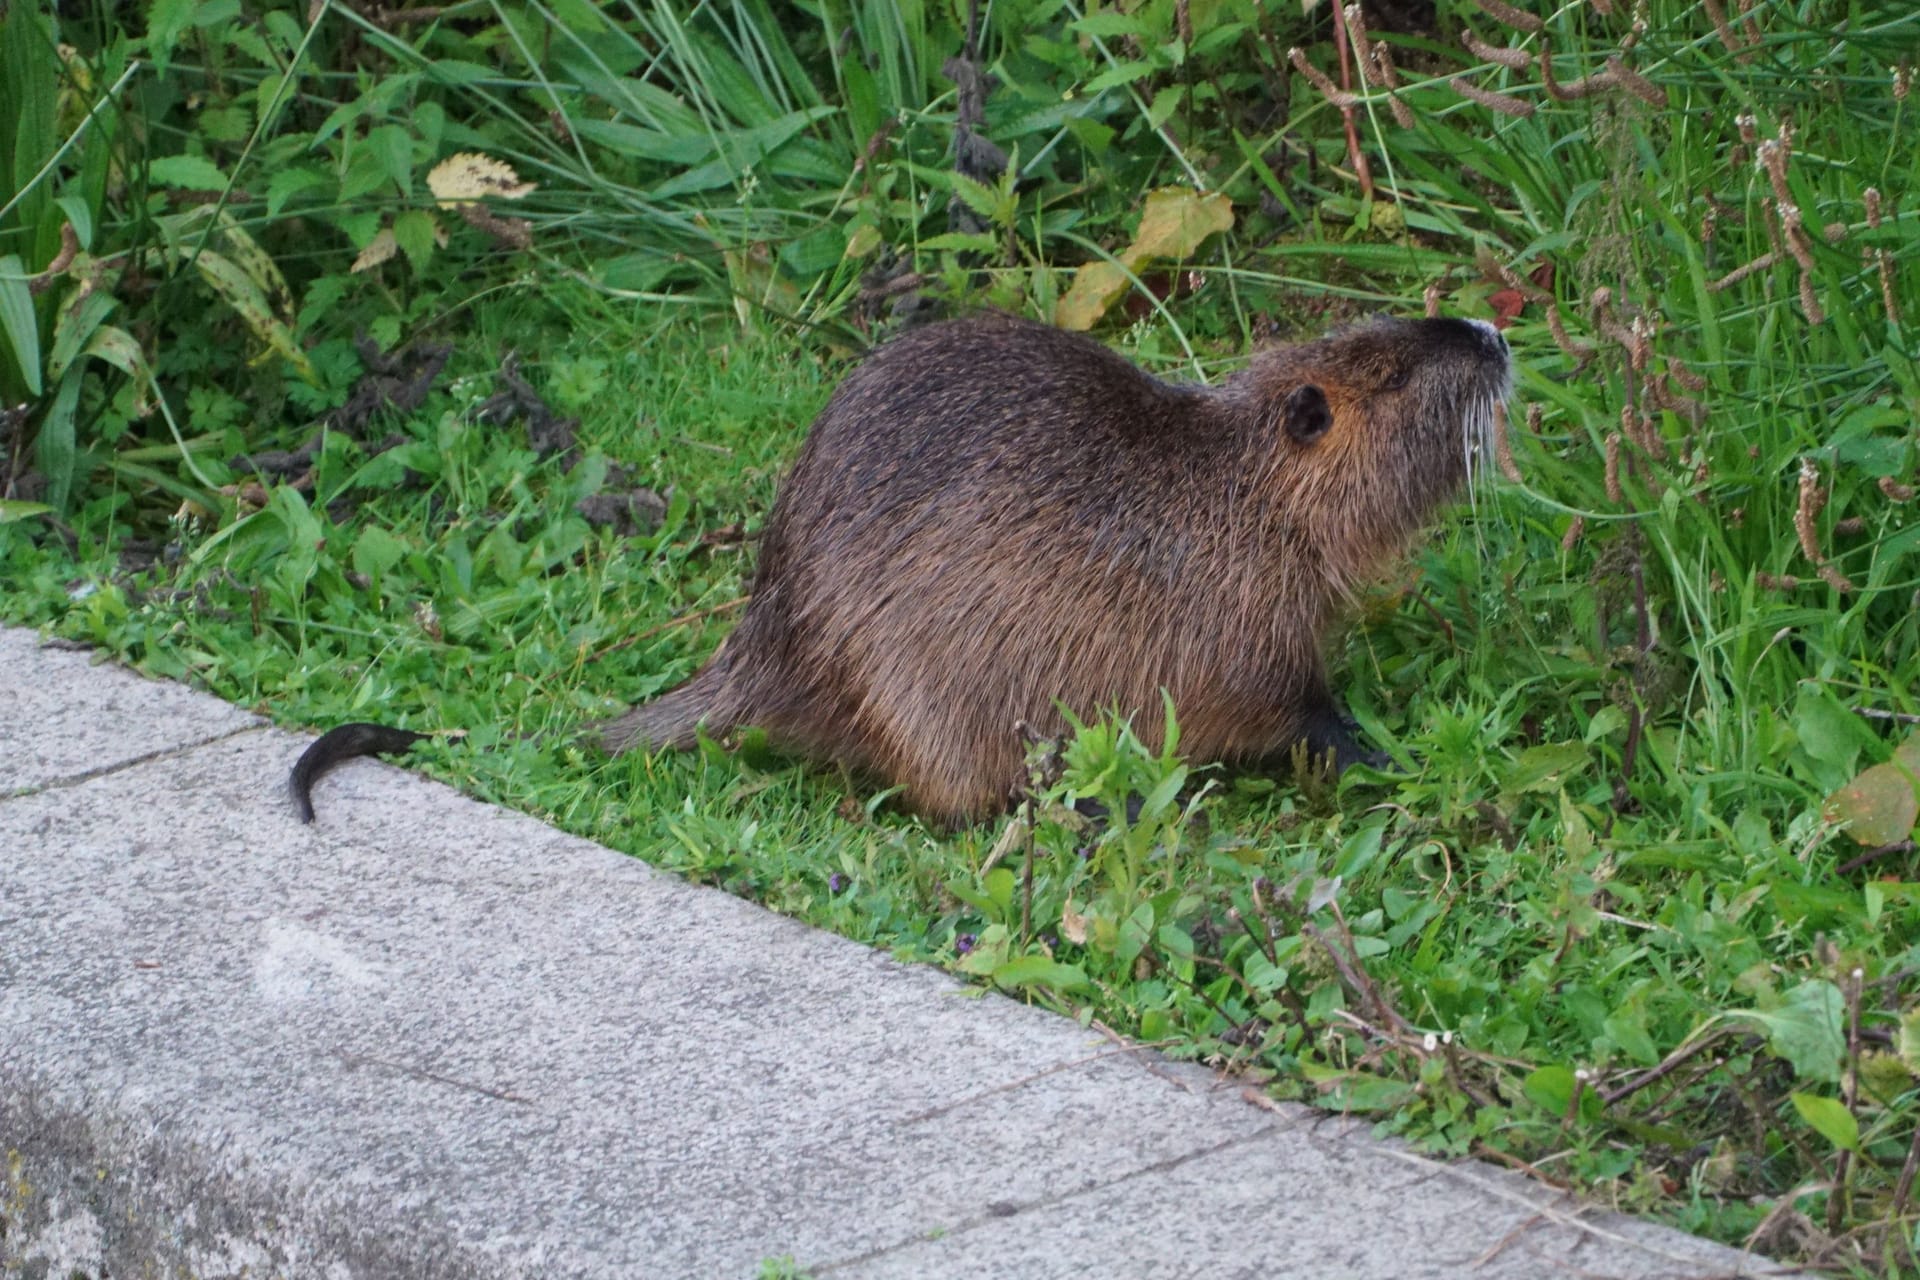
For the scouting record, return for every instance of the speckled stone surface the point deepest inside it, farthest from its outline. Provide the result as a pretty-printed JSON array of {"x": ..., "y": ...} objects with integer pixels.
[
  {"x": 430, "y": 1038},
  {"x": 65, "y": 715}
]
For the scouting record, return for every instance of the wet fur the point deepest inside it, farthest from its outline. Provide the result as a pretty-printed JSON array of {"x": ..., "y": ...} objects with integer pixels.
[{"x": 991, "y": 516}]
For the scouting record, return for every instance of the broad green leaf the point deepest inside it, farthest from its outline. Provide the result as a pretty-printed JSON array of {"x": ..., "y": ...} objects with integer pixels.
[
  {"x": 1627, "y": 1028},
  {"x": 393, "y": 147},
  {"x": 1355, "y": 1091},
  {"x": 1124, "y": 73},
  {"x": 1551, "y": 1088},
  {"x": 17, "y": 323},
  {"x": 376, "y": 551},
  {"x": 975, "y": 241},
  {"x": 73, "y": 328},
  {"x": 999, "y": 884},
  {"x": 1262, "y": 974},
  {"x": 1032, "y": 971},
  {"x": 1829, "y": 1118},
  {"x": 194, "y": 173},
  {"x": 1806, "y": 1029},
  {"x": 1110, "y": 23},
  {"x": 287, "y": 183},
  {"x": 1830, "y": 735},
  {"x": 80, "y": 215},
  {"x": 167, "y": 21},
  {"x": 1176, "y": 941},
  {"x": 863, "y": 240},
  {"x": 416, "y": 230},
  {"x": 29, "y": 91},
  {"x": 1544, "y": 768},
  {"x": 117, "y": 347},
  {"x": 12, "y": 509},
  {"x": 1164, "y": 793},
  {"x": 1165, "y": 103},
  {"x": 1134, "y": 932},
  {"x": 54, "y": 450},
  {"x": 816, "y": 251},
  {"x": 646, "y": 144}
]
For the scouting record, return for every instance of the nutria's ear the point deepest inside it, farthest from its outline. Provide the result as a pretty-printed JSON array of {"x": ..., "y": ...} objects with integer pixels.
[{"x": 1305, "y": 415}]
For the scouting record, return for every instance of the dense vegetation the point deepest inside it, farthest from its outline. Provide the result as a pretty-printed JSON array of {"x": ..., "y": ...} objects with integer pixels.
[{"x": 1637, "y": 910}]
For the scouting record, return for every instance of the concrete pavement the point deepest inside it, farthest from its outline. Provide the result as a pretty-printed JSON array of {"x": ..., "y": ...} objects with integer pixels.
[{"x": 429, "y": 1037}]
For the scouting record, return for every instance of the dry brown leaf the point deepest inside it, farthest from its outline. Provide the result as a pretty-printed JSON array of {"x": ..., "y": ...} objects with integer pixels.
[
  {"x": 378, "y": 250},
  {"x": 1073, "y": 926},
  {"x": 470, "y": 175}
]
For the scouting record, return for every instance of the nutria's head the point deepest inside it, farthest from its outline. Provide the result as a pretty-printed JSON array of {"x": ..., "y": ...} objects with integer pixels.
[{"x": 1365, "y": 432}]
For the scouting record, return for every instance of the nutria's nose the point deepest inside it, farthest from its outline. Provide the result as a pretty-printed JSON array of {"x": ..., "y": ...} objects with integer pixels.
[{"x": 1493, "y": 338}]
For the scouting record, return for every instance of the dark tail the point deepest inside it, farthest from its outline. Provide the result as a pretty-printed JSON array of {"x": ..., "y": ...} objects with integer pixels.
[{"x": 672, "y": 720}]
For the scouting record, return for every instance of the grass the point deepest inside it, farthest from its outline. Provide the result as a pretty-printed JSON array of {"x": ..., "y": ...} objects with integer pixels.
[
  {"x": 1603, "y": 924},
  {"x": 1446, "y": 950}
]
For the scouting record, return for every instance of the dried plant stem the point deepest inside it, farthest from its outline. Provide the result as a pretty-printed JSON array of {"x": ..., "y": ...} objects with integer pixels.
[
  {"x": 1666, "y": 1067},
  {"x": 1874, "y": 855},
  {"x": 696, "y": 616},
  {"x": 1348, "y": 117},
  {"x": 1849, "y": 1094}
]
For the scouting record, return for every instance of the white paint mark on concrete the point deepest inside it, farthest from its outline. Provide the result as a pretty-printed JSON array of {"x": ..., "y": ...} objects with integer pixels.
[{"x": 298, "y": 964}]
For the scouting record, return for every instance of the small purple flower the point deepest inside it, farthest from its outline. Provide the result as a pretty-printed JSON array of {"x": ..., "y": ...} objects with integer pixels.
[
  {"x": 963, "y": 943},
  {"x": 836, "y": 882}
]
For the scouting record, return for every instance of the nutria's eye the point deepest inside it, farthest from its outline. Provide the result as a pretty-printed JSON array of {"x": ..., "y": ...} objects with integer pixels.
[
  {"x": 1398, "y": 378},
  {"x": 1305, "y": 416}
]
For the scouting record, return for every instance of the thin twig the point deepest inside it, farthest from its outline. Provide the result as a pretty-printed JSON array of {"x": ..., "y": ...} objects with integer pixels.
[
  {"x": 1667, "y": 1066},
  {"x": 1874, "y": 855},
  {"x": 1874, "y": 713},
  {"x": 696, "y": 616}
]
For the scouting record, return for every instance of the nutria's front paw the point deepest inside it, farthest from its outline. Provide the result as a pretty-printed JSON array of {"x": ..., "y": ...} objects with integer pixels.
[{"x": 1333, "y": 739}]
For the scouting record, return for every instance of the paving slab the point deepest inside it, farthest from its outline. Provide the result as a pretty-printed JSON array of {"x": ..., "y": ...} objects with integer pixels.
[
  {"x": 65, "y": 715},
  {"x": 429, "y": 1037}
]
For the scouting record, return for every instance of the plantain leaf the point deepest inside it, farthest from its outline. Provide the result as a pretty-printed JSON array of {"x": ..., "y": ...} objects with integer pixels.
[
  {"x": 74, "y": 326},
  {"x": 17, "y": 324}
]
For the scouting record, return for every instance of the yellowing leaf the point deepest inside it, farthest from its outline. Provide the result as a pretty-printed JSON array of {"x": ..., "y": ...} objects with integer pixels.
[
  {"x": 1879, "y": 806},
  {"x": 1095, "y": 286},
  {"x": 378, "y": 250},
  {"x": 1174, "y": 223},
  {"x": 470, "y": 175},
  {"x": 1073, "y": 926},
  {"x": 1907, "y": 1042},
  {"x": 250, "y": 302}
]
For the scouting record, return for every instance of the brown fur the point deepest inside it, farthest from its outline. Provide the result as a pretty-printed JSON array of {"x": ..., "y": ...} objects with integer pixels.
[{"x": 991, "y": 517}]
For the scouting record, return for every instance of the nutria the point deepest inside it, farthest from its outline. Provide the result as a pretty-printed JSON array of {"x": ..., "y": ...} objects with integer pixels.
[{"x": 993, "y": 519}]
